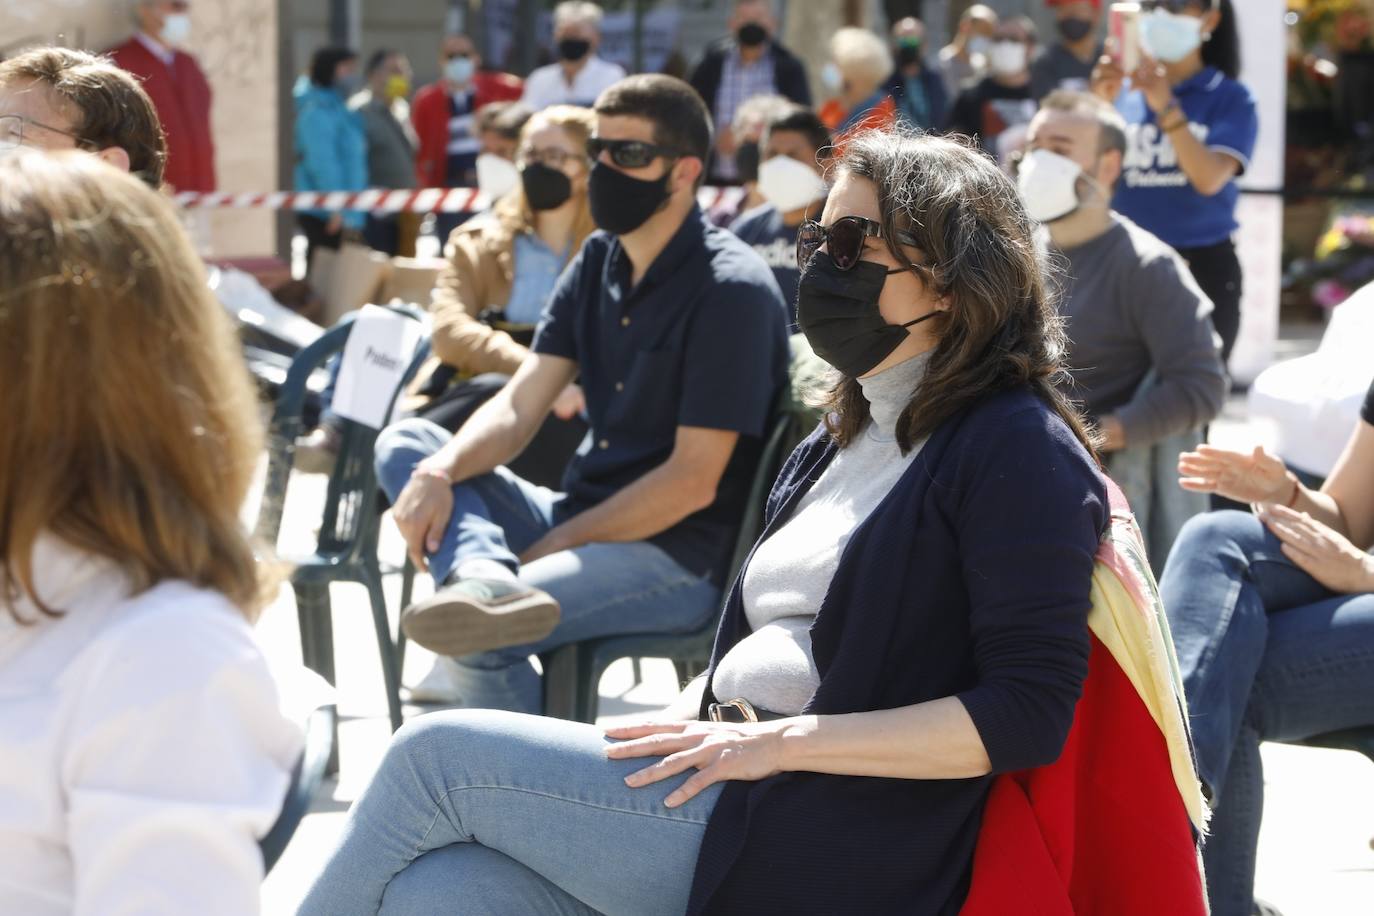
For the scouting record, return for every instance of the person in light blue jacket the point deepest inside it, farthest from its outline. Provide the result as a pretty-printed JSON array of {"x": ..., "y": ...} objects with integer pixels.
[{"x": 331, "y": 147}]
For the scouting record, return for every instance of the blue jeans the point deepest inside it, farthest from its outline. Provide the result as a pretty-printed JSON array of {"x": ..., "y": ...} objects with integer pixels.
[
  {"x": 603, "y": 589},
  {"x": 479, "y": 811},
  {"x": 1267, "y": 654}
]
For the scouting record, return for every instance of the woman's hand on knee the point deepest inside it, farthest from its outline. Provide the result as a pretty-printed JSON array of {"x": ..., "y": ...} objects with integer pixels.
[
  {"x": 1322, "y": 553},
  {"x": 718, "y": 751}
]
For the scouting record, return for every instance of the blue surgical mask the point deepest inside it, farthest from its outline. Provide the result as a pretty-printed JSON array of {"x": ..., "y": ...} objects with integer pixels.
[
  {"x": 459, "y": 70},
  {"x": 1170, "y": 37},
  {"x": 346, "y": 86}
]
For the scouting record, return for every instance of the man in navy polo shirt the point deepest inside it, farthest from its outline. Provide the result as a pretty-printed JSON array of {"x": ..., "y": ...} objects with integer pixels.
[{"x": 677, "y": 332}]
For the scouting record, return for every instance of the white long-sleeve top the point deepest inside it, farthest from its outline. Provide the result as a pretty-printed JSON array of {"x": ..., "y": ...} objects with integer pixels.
[{"x": 142, "y": 749}]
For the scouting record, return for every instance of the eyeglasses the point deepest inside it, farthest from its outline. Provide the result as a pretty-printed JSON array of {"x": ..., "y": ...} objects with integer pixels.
[
  {"x": 12, "y": 128},
  {"x": 1176, "y": 6},
  {"x": 844, "y": 238},
  {"x": 629, "y": 154},
  {"x": 552, "y": 157}
]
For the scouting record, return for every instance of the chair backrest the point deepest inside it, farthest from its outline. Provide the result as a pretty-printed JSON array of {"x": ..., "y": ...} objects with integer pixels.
[
  {"x": 305, "y": 783},
  {"x": 782, "y": 437},
  {"x": 350, "y": 503}
]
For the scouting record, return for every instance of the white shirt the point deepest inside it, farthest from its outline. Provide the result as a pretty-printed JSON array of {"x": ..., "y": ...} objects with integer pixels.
[
  {"x": 547, "y": 86},
  {"x": 142, "y": 751},
  {"x": 156, "y": 48}
]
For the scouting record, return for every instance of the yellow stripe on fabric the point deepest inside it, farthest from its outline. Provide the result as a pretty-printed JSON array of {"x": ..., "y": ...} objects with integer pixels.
[{"x": 1141, "y": 648}]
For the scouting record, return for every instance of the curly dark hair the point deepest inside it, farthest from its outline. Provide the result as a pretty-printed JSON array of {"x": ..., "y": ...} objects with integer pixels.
[{"x": 1002, "y": 329}]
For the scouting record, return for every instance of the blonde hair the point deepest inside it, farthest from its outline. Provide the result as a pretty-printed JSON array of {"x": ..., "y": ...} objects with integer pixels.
[
  {"x": 578, "y": 123},
  {"x": 132, "y": 426},
  {"x": 861, "y": 54}
]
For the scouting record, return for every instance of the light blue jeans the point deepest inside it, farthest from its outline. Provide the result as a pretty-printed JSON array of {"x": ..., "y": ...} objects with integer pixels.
[
  {"x": 603, "y": 589},
  {"x": 486, "y": 812},
  {"x": 1267, "y": 654}
]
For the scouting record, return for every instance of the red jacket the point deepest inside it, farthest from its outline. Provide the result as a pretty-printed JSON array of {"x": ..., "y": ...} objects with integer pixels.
[
  {"x": 1107, "y": 829},
  {"x": 181, "y": 94},
  {"x": 430, "y": 114}
]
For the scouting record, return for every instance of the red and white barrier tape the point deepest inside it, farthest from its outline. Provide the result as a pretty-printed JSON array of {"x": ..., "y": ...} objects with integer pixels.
[{"x": 380, "y": 200}]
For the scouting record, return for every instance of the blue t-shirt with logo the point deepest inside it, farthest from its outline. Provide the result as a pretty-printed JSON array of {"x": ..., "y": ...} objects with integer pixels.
[
  {"x": 1154, "y": 192},
  {"x": 763, "y": 230}
]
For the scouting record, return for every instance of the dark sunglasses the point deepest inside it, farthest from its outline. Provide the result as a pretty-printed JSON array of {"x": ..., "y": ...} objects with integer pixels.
[
  {"x": 629, "y": 154},
  {"x": 844, "y": 238}
]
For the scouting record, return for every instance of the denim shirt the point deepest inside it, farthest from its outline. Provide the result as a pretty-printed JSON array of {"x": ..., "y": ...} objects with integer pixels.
[{"x": 537, "y": 267}]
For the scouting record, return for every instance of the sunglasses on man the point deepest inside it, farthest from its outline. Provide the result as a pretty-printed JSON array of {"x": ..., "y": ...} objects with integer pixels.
[
  {"x": 630, "y": 154},
  {"x": 844, "y": 239},
  {"x": 1177, "y": 6}
]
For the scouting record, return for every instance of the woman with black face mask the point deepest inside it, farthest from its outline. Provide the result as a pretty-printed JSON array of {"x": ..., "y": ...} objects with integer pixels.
[{"x": 912, "y": 622}]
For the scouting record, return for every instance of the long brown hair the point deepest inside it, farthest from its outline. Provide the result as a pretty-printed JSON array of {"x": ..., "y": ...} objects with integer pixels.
[
  {"x": 1002, "y": 329},
  {"x": 131, "y": 427},
  {"x": 514, "y": 210}
]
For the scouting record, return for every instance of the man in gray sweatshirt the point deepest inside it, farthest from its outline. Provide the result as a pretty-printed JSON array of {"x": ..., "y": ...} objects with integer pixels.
[{"x": 1144, "y": 358}]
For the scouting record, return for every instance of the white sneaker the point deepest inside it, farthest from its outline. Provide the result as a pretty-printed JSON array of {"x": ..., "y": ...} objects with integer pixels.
[{"x": 439, "y": 686}]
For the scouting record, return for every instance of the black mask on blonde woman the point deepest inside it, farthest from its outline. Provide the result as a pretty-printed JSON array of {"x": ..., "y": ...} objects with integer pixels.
[{"x": 546, "y": 188}]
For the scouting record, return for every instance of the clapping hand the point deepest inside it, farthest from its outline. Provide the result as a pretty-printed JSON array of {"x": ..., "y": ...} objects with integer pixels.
[{"x": 1253, "y": 477}]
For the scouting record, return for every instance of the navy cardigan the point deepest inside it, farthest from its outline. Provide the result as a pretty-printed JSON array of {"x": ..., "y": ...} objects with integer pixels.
[{"x": 971, "y": 579}]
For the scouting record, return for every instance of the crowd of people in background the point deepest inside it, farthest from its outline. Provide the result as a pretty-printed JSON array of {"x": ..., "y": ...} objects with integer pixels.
[{"x": 606, "y": 360}]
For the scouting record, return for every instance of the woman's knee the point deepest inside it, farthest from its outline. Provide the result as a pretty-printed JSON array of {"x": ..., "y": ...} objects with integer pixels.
[
  {"x": 1222, "y": 536},
  {"x": 456, "y": 739}
]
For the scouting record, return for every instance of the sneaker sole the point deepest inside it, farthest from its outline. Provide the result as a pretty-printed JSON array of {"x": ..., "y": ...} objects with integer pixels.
[{"x": 456, "y": 625}]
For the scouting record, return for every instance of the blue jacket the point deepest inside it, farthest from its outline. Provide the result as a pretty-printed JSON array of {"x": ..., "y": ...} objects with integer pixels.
[
  {"x": 331, "y": 148},
  {"x": 971, "y": 579}
]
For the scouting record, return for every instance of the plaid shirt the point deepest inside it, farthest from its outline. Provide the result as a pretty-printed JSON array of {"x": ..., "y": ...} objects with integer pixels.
[{"x": 740, "y": 82}]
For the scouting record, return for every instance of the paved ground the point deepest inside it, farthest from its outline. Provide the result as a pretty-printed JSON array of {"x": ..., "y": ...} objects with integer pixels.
[{"x": 1315, "y": 857}]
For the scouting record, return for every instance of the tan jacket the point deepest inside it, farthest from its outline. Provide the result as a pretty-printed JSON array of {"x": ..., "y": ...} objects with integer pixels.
[{"x": 480, "y": 271}]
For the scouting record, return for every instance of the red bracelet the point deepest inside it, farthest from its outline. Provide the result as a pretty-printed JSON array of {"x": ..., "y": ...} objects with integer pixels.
[{"x": 1297, "y": 487}]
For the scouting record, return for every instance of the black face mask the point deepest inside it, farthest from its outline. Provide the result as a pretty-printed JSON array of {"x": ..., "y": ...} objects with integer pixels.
[
  {"x": 546, "y": 188},
  {"x": 571, "y": 49},
  {"x": 621, "y": 204},
  {"x": 1075, "y": 29},
  {"x": 908, "y": 55},
  {"x": 751, "y": 35},
  {"x": 747, "y": 161},
  {"x": 837, "y": 310}
]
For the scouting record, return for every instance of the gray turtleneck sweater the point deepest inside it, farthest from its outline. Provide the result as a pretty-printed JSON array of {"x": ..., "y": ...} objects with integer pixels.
[{"x": 790, "y": 572}]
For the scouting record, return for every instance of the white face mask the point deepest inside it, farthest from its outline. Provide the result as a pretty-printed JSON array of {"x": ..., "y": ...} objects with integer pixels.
[
  {"x": 176, "y": 28},
  {"x": 1007, "y": 58},
  {"x": 979, "y": 44},
  {"x": 496, "y": 177},
  {"x": 1170, "y": 37},
  {"x": 1048, "y": 183},
  {"x": 831, "y": 77},
  {"x": 788, "y": 184}
]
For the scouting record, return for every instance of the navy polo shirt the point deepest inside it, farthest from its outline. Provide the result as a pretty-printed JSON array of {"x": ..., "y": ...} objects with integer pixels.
[{"x": 700, "y": 341}]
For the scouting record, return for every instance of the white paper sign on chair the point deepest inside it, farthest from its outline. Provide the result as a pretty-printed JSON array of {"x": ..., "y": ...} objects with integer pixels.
[{"x": 379, "y": 350}]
